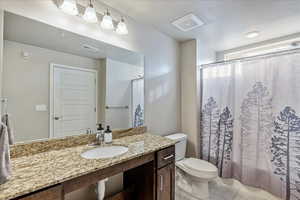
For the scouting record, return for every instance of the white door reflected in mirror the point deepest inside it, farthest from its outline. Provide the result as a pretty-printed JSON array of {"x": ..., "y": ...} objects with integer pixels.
[{"x": 73, "y": 100}]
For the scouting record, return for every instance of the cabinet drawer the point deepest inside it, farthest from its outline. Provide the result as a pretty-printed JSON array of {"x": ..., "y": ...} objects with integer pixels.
[
  {"x": 52, "y": 193},
  {"x": 165, "y": 156}
]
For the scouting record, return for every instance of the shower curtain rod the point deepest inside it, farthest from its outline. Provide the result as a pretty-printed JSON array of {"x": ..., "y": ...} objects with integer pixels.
[
  {"x": 249, "y": 58},
  {"x": 137, "y": 79}
]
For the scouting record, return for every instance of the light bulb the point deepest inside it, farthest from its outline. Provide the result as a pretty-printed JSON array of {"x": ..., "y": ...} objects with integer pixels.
[
  {"x": 252, "y": 34},
  {"x": 122, "y": 28},
  {"x": 90, "y": 14},
  {"x": 69, "y": 7},
  {"x": 107, "y": 21}
]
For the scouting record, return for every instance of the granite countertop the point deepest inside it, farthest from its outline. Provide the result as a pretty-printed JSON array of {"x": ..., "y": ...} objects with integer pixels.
[{"x": 38, "y": 171}]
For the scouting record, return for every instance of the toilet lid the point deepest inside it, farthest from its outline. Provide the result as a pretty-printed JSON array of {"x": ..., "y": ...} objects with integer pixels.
[{"x": 198, "y": 168}]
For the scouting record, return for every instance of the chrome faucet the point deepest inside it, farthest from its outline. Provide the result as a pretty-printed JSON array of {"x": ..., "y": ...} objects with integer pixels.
[{"x": 88, "y": 131}]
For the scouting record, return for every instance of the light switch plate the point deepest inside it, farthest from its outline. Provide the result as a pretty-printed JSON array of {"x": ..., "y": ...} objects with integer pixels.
[{"x": 41, "y": 108}]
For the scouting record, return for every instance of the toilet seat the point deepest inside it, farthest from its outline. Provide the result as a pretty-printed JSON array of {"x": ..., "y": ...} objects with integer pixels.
[{"x": 198, "y": 168}]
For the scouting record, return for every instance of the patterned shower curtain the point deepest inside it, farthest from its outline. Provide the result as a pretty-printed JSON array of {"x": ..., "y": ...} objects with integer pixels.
[
  {"x": 137, "y": 102},
  {"x": 250, "y": 122}
]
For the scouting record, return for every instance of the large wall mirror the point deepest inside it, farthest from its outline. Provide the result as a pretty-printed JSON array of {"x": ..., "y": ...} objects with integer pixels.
[{"x": 56, "y": 83}]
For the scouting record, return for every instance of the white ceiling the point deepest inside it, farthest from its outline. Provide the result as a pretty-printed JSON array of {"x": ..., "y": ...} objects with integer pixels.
[
  {"x": 24, "y": 30},
  {"x": 226, "y": 21}
]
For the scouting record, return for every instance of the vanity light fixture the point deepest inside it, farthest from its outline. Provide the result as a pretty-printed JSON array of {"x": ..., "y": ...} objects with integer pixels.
[
  {"x": 121, "y": 27},
  {"x": 69, "y": 7},
  {"x": 107, "y": 21},
  {"x": 90, "y": 14}
]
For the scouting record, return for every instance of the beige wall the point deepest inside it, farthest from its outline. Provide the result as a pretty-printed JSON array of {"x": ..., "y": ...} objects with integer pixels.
[
  {"x": 26, "y": 83},
  {"x": 193, "y": 53},
  {"x": 1, "y": 55},
  {"x": 189, "y": 99}
]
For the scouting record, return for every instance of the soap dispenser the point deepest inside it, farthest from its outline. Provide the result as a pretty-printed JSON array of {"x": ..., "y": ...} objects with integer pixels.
[
  {"x": 100, "y": 134},
  {"x": 108, "y": 135}
]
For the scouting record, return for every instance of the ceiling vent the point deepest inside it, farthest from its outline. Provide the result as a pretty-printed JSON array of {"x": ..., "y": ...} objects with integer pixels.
[{"x": 188, "y": 22}]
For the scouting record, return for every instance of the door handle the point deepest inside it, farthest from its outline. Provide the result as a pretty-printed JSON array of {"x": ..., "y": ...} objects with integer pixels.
[{"x": 57, "y": 118}]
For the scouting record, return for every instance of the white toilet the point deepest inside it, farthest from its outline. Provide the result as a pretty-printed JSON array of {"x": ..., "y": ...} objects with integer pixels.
[{"x": 200, "y": 172}]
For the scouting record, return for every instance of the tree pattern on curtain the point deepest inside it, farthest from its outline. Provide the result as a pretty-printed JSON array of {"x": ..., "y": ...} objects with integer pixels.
[
  {"x": 262, "y": 136},
  {"x": 138, "y": 116},
  {"x": 224, "y": 141},
  {"x": 210, "y": 122},
  {"x": 285, "y": 149},
  {"x": 256, "y": 129}
]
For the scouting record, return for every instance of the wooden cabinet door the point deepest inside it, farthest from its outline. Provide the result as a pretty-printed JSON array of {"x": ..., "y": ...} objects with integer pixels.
[{"x": 166, "y": 183}]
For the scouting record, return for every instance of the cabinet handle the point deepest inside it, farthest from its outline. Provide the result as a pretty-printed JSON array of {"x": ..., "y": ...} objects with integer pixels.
[
  {"x": 161, "y": 183},
  {"x": 169, "y": 157}
]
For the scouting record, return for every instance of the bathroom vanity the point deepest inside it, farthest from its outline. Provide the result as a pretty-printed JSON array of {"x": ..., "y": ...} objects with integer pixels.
[{"x": 50, "y": 175}]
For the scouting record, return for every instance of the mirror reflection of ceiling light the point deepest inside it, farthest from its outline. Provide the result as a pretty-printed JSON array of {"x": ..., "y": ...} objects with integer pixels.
[
  {"x": 90, "y": 14},
  {"x": 252, "y": 34},
  {"x": 122, "y": 28},
  {"x": 107, "y": 21},
  {"x": 69, "y": 7}
]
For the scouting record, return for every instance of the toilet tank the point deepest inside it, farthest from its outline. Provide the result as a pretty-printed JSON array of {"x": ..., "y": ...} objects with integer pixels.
[{"x": 180, "y": 146}]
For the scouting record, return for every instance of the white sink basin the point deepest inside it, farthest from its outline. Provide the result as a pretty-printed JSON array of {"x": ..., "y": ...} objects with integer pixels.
[{"x": 104, "y": 152}]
